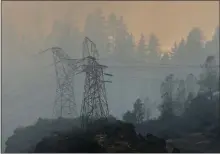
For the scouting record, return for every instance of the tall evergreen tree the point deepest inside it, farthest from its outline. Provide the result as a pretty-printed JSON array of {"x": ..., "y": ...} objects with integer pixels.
[
  {"x": 181, "y": 47},
  {"x": 168, "y": 87},
  {"x": 181, "y": 98},
  {"x": 191, "y": 83},
  {"x": 167, "y": 94},
  {"x": 121, "y": 35},
  {"x": 141, "y": 48},
  {"x": 173, "y": 53},
  {"x": 154, "y": 49},
  {"x": 112, "y": 25},
  {"x": 212, "y": 46},
  {"x": 165, "y": 58},
  {"x": 124, "y": 44},
  {"x": 209, "y": 78},
  {"x": 174, "y": 49},
  {"x": 130, "y": 46},
  {"x": 180, "y": 54},
  {"x": 111, "y": 32},
  {"x": 137, "y": 114},
  {"x": 129, "y": 117},
  {"x": 195, "y": 47},
  {"x": 139, "y": 111},
  {"x": 147, "y": 108}
]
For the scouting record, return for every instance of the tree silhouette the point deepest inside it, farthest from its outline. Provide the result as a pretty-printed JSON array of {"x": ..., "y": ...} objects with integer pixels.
[
  {"x": 181, "y": 98},
  {"x": 166, "y": 109},
  {"x": 137, "y": 114},
  {"x": 112, "y": 25},
  {"x": 195, "y": 46},
  {"x": 212, "y": 46},
  {"x": 121, "y": 34},
  {"x": 180, "y": 54},
  {"x": 129, "y": 47},
  {"x": 191, "y": 83},
  {"x": 153, "y": 48},
  {"x": 194, "y": 37},
  {"x": 181, "y": 91},
  {"x": 189, "y": 99},
  {"x": 139, "y": 111},
  {"x": 167, "y": 91},
  {"x": 167, "y": 87},
  {"x": 174, "y": 53},
  {"x": 209, "y": 78},
  {"x": 124, "y": 42},
  {"x": 141, "y": 48},
  {"x": 129, "y": 117},
  {"x": 165, "y": 58},
  {"x": 147, "y": 108}
]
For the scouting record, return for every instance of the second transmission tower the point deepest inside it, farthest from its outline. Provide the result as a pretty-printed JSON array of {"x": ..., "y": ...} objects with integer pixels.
[
  {"x": 65, "y": 105},
  {"x": 94, "y": 104}
]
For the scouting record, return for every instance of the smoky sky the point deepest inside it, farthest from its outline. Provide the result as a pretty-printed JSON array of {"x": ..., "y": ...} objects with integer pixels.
[{"x": 169, "y": 20}]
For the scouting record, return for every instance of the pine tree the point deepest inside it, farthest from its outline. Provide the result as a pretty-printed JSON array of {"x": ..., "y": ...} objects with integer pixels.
[
  {"x": 191, "y": 84},
  {"x": 180, "y": 54},
  {"x": 153, "y": 48},
  {"x": 138, "y": 111},
  {"x": 167, "y": 90},
  {"x": 173, "y": 53},
  {"x": 147, "y": 108},
  {"x": 209, "y": 78},
  {"x": 129, "y": 117},
  {"x": 181, "y": 47},
  {"x": 181, "y": 97},
  {"x": 121, "y": 35},
  {"x": 212, "y": 46},
  {"x": 165, "y": 58},
  {"x": 130, "y": 46},
  {"x": 174, "y": 49},
  {"x": 112, "y": 25},
  {"x": 167, "y": 87},
  {"x": 195, "y": 46},
  {"x": 141, "y": 48},
  {"x": 111, "y": 32},
  {"x": 124, "y": 44}
]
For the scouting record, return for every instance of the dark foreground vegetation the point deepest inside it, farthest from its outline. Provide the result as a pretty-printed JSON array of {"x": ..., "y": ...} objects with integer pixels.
[
  {"x": 24, "y": 139},
  {"x": 196, "y": 130},
  {"x": 111, "y": 136},
  {"x": 108, "y": 137}
]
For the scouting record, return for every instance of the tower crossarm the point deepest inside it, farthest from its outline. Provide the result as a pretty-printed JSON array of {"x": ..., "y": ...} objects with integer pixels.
[{"x": 77, "y": 65}]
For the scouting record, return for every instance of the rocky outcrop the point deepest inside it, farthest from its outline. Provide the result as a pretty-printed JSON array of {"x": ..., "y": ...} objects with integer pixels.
[{"x": 116, "y": 137}]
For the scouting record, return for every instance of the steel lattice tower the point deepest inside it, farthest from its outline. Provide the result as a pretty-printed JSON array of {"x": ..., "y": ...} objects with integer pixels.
[
  {"x": 64, "y": 105},
  {"x": 94, "y": 103}
]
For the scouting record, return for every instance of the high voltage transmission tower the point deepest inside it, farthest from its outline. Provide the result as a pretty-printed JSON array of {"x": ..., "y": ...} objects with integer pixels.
[
  {"x": 64, "y": 105},
  {"x": 94, "y": 104}
]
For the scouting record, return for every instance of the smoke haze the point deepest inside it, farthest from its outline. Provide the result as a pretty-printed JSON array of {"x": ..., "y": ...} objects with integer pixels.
[{"x": 29, "y": 81}]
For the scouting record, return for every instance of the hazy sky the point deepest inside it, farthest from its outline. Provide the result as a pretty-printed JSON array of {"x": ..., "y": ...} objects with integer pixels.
[{"x": 168, "y": 20}]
